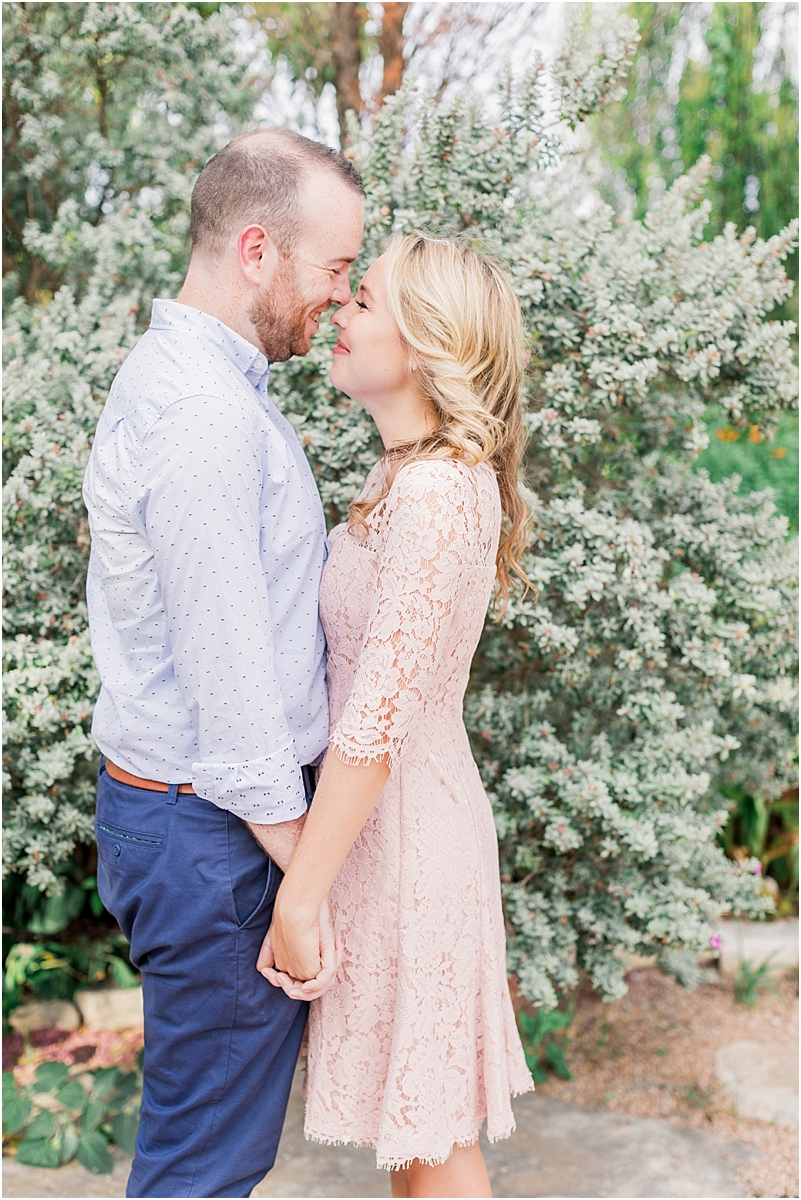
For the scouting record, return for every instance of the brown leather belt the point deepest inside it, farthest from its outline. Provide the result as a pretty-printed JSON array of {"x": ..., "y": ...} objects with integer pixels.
[{"x": 150, "y": 785}]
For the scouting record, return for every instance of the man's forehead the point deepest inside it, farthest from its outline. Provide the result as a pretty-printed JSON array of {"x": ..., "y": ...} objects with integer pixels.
[
  {"x": 324, "y": 186},
  {"x": 334, "y": 216}
]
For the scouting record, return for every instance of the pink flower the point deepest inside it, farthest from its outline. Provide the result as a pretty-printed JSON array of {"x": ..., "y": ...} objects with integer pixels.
[
  {"x": 716, "y": 941},
  {"x": 758, "y": 869},
  {"x": 550, "y": 414}
]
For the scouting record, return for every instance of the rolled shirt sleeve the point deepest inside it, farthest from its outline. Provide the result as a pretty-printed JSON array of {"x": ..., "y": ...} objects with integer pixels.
[{"x": 196, "y": 496}]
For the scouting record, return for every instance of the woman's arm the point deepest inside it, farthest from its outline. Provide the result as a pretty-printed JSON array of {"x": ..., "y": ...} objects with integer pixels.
[
  {"x": 418, "y": 578},
  {"x": 344, "y": 799}
]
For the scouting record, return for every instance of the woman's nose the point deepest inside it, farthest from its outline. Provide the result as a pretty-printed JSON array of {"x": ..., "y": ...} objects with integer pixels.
[{"x": 339, "y": 318}]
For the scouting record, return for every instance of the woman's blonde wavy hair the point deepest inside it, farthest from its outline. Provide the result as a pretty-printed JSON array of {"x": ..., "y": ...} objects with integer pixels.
[{"x": 462, "y": 325}]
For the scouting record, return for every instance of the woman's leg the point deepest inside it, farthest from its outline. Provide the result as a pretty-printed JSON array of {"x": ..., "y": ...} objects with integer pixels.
[
  {"x": 399, "y": 1183},
  {"x": 463, "y": 1174}
]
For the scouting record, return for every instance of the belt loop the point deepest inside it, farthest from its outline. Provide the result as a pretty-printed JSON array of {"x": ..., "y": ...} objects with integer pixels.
[{"x": 172, "y": 793}]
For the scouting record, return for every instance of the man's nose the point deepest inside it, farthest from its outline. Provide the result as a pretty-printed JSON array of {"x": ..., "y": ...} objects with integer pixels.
[{"x": 340, "y": 293}]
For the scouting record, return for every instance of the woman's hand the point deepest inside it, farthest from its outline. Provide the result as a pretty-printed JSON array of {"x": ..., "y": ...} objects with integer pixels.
[
  {"x": 330, "y": 955},
  {"x": 295, "y": 936}
]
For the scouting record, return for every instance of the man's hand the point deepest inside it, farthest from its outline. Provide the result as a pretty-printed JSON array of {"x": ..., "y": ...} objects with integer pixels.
[
  {"x": 279, "y": 841},
  {"x": 330, "y": 958}
]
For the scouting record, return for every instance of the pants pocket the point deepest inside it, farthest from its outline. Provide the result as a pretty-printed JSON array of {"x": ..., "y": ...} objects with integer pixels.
[
  {"x": 254, "y": 876},
  {"x": 126, "y": 859}
]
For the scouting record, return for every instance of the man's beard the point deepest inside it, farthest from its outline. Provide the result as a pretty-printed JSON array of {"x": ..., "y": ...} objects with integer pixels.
[{"x": 279, "y": 316}]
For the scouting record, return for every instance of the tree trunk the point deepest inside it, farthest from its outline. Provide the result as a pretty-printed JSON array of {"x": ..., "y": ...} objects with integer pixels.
[
  {"x": 346, "y": 51},
  {"x": 390, "y": 45}
]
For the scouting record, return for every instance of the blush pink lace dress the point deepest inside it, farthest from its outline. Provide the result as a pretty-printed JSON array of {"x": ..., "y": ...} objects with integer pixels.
[{"x": 415, "y": 1046}]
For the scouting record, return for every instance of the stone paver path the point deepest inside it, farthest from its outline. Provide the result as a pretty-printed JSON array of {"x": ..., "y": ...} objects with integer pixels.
[
  {"x": 755, "y": 941},
  {"x": 558, "y": 1150},
  {"x": 762, "y": 1078}
]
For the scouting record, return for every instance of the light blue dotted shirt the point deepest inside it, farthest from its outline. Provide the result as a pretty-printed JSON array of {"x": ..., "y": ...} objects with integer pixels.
[{"x": 208, "y": 543}]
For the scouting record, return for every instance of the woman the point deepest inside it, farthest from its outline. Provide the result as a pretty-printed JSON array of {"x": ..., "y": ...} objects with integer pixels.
[{"x": 415, "y": 1045}]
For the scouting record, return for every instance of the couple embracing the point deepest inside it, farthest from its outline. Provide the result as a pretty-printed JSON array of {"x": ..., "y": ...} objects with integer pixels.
[{"x": 288, "y": 810}]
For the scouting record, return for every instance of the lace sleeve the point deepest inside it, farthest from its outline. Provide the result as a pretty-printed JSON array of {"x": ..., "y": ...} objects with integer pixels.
[{"x": 418, "y": 577}]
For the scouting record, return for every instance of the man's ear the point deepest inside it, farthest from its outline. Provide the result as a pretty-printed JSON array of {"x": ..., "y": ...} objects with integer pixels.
[{"x": 258, "y": 255}]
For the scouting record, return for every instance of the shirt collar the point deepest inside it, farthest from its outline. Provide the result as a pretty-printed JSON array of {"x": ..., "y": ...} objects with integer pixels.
[{"x": 179, "y": 318}]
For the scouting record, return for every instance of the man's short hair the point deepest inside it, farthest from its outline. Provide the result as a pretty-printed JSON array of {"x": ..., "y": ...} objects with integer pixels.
[{"x": 256, "y": 180}]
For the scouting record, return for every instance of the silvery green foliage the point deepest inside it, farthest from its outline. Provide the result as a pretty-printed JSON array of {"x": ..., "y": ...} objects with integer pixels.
[
  {"x": 655, "y": 664},
  {"x": 589, "y": 77},
  {"x": 172, "y": 90},
  {"x": 107, "y": 105}
]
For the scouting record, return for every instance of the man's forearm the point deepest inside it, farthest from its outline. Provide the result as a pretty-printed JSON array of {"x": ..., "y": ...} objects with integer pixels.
[{"x": 279, "y": 841}]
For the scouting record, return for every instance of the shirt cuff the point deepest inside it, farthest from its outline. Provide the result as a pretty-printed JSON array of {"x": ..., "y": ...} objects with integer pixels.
[{"x": 266, "y": 791}]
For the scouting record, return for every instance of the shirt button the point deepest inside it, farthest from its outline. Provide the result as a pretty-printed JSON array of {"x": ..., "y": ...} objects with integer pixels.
[
  {"x": 116, "y": 850},
  {"x": 259, "y": 364}
]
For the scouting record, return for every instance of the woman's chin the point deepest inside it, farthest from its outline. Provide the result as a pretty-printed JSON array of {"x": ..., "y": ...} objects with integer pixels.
[{"x": 335, "y": 377}]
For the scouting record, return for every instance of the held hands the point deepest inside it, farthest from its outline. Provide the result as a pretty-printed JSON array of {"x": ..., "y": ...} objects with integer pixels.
[{"x": 300, "y": 954}]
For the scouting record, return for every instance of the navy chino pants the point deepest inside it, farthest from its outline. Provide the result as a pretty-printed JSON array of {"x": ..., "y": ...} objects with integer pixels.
[{"x": 193, "y": 893}]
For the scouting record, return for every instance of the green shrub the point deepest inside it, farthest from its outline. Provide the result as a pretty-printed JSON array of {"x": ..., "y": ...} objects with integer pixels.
[
  {"x": 97, "y": 185},
  {"x": 750, "y": 979},
  {"x": 55, "y": 970},
  {"x": 654, "y": 670},
  {"x": 541, "y": 1047},
  {"x": 69, "y": 1112}
]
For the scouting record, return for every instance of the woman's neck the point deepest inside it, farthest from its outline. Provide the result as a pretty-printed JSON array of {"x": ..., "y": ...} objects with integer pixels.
[{"x": 400, "y": 424}]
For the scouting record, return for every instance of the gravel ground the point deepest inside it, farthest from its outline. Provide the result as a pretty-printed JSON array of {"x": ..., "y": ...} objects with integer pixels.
[{"x": 651, "y": 1054}]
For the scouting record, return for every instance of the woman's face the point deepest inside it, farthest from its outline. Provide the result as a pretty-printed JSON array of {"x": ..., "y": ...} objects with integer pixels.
[{"x": 371, "y": 364}]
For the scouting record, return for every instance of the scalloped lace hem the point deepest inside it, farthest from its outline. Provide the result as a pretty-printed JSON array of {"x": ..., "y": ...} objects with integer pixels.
[
  {"x": 363, "y": 756},
  {"x": 393, "y": 1162}
]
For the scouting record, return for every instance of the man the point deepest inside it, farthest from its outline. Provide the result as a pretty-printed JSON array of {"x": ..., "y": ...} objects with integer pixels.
[{"x": 208, "y": 545}]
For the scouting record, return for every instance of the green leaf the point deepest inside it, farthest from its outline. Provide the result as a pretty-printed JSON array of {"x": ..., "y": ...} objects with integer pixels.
[
  {"x": 93, "y": 1116},
  {"x": 527, "y": 1023},
  {"x": 93, "y": 1154},
  {"x": 16, "y": 1113},
  {"x": 537, "y": 1072},
  {"x": 127, "y": 1085},
  {"x": 43, "y": 1125},
  {"x": 69, "y": 1144},
  {"x": 534, "y": 1029},
  {"x": 38, "y": 1153},
  {"x": 554, "y": 1020},
  {"x": 72, "y": 1095},
  {"x": 124, "y": 1128},
  {"x": 122, "y": 974},
  {"x": 555, "y": 1056},
  {"x": 49, "y": 1075},
  {"x": 104, "y": 1080},
  {"x": 9, "y": 1087},
  {"x": 56, "y": 912}
]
